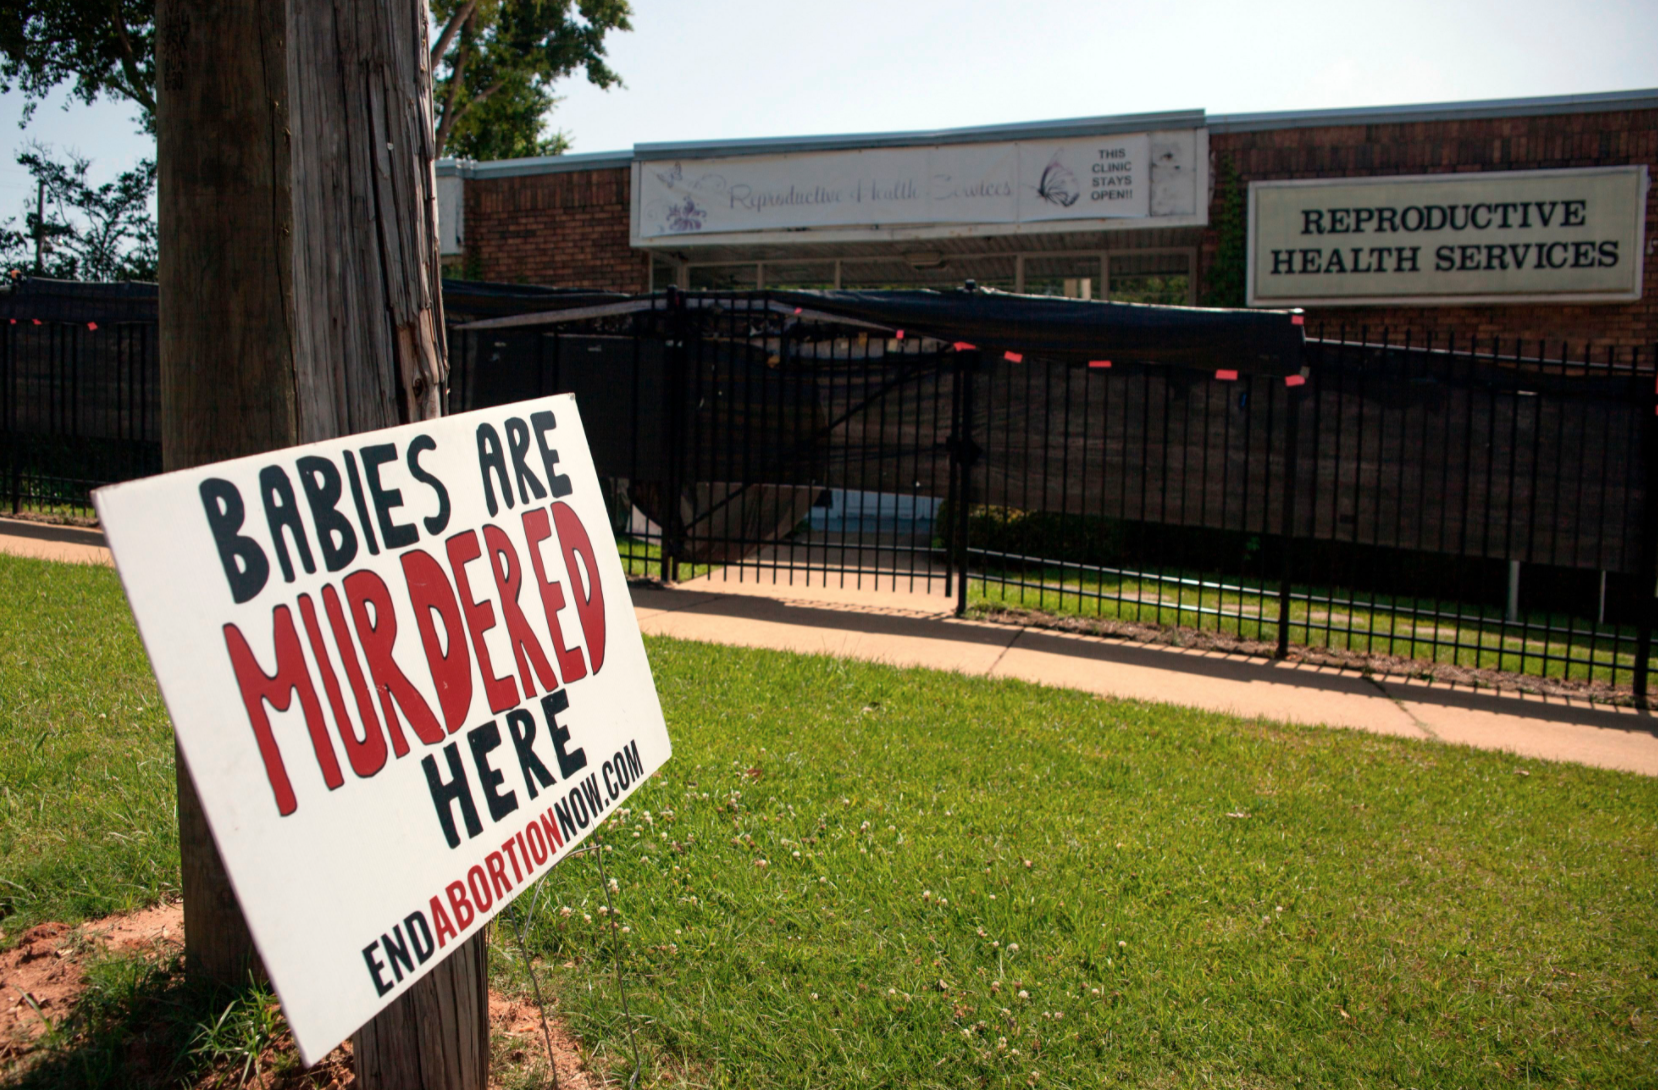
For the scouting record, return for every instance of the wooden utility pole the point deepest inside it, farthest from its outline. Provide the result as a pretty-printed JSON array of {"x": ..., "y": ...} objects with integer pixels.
[{"x": 300, "y": 300}]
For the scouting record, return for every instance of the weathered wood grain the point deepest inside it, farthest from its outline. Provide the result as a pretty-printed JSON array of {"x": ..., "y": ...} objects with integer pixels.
[{"x": 300, "y": 301}]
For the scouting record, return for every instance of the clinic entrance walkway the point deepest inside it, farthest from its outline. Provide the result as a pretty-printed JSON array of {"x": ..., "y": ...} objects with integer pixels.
[{"x": 918, "y": 629}]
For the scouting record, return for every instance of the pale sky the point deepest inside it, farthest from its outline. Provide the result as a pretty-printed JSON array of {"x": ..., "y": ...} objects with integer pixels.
[{"x": 720, "y": 69}]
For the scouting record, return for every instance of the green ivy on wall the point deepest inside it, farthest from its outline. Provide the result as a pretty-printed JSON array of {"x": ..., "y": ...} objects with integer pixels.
[{"x": 1225, "y": 286}]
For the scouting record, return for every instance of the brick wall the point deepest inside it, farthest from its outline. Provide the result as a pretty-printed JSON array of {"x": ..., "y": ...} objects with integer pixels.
[
  {"x": 568, "y": 229},
  {"x": 1431, "y": 147}
]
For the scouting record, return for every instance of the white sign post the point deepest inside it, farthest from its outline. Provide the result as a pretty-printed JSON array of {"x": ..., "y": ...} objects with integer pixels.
[{"x": 404, "y": 669}]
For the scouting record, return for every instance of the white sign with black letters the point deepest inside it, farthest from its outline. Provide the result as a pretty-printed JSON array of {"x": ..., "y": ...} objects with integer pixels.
[
  {"x": 1486, "y": 237},
  {"x": 1009, "y": 183},
  {"x": 405, "y": 673}
]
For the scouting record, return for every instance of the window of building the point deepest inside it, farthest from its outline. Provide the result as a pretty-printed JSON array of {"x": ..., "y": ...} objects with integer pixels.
[
  {"x": 1158, "y": 276},
  {"x": 663, "y": 273},
  {"x": 1164, "y": 276},
  {"x": 1073, "y": 276},
  {"x": 725, "y": 277},
  {"x": 930, "y": 270},
  {"x": 799, "y": 275}
]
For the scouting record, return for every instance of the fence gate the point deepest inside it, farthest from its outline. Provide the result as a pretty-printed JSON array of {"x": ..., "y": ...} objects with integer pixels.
[{"x": 737, "y": 436}]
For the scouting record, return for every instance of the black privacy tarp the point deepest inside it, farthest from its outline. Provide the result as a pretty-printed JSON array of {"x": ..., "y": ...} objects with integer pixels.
[
  {"x": 1077, "y": 330},
  {"x": 1057, "y": 329}
]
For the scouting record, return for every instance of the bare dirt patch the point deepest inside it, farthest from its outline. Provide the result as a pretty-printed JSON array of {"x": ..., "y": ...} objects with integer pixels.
[
  {"x": 43, "y": 978},
  {"x": 520, "y": 1024},
  {"x": 39, "y": 980}
]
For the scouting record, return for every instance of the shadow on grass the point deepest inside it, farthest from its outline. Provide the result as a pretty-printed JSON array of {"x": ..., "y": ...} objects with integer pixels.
[{"x": 140, "y": 1024}]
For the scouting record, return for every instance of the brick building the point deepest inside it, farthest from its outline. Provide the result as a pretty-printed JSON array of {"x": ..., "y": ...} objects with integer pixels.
[{"x": 1030, "y": 209}]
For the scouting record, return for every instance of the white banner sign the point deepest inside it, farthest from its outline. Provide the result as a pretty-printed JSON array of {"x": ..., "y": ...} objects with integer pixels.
[
  {"x": 406, "y": 676},
  {"x": 1091, "y": 178},
  {"x": 1489, "y": 237}
]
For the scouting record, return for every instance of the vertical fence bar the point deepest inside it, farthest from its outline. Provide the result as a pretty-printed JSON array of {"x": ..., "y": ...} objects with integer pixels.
[
  {"x": 952, "y": 489},
  {"x": 967, "y": 364},
  {"x": 1292, "y": 445},
  {"x": 1647, "y": 580},
  {"x": 13, "y": 413},
  {"x": 673, "y": 389}
]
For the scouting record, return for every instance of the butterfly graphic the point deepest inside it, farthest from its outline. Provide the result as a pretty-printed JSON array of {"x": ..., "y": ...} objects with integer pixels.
[
  {"x": 1059, "y": 185},
  {"x": 686, "y": 216},
  {"x": 673, "y": 176}
]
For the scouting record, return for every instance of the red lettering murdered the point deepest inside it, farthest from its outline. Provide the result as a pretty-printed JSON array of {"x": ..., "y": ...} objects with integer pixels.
[
  {"x": 378, "y": 633},
  {"x": 257, "y": 687},
  {"x": 503, "y": 563},
  {"x": 458, "y": 902},
  {"x": 480, "y": 618},
  {"x": 354, "y": 671},
  {"x": 584, "y": 584},
  {"x": 452, "y": 666},
  {"x": 440, "y": 920},
  {"x": 367, "y": 755},
  {"x": 538, "y": 528}
]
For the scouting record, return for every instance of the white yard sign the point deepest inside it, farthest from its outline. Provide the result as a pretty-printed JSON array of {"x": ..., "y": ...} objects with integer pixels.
[{"x": 405, "y": 673}]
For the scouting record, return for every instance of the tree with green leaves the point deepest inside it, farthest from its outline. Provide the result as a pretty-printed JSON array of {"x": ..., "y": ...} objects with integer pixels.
[
  {"x": 494, "y": 62},
  {"x": 84, "y": 231},
  {"x": 100, "y": 47},
  {"x": 1226, "y": 280}
]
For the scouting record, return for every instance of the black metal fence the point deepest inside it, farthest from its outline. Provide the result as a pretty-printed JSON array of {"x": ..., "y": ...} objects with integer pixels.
[
  {"x": 1454, "y": 507},
  {"x": 79, "y": 393},
  {"x": 1464, "y": 508},
  {"x": 1480, "y": 507}
]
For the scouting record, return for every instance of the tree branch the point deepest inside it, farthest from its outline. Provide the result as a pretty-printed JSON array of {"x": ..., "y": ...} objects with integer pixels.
[
  {"x": 449, "y": 122},
  {"x": 129, "y": 60},
  {"x": 453, "y": 27},
  {"x": 446, "y": 123}
]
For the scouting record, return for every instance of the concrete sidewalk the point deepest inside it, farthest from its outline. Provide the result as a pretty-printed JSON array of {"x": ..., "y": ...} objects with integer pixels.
[
  {"x": 911, "y": 629},
  {"x": 46, "y": 541},
  {"x": 918, "y": 629}
]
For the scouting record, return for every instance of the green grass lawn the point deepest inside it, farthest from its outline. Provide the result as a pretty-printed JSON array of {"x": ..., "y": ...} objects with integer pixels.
[
  {"x": 1544, "y": 644},
  {"x": 642, "y": 559},
  {"x": 86, "y": 751},
  {"x": 1387, "y": 913},
  {"x": 849, "y": 873}
]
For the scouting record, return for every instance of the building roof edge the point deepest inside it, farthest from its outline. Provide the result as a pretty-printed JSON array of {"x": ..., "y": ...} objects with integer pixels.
[
  {"x": 541, "y": 164},
  {"x": 979, "y": 134},
  {"x": 1436, "y": 111}
]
